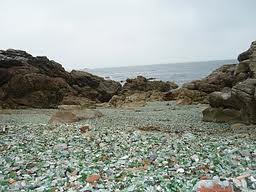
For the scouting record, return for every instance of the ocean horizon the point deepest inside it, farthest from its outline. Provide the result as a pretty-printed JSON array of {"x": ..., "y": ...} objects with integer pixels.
[{"x": 176, "y": 72}]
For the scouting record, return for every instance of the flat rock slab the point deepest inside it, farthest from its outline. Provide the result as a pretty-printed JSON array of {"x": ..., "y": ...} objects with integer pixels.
[{"x": 74, "y": 116}]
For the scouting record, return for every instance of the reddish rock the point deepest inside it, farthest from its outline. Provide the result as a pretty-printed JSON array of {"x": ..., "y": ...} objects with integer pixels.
[
  {"x": 93, "y": 178},
  {"x": 216, "y": 188},
  {"x": 213, "y": 186}
]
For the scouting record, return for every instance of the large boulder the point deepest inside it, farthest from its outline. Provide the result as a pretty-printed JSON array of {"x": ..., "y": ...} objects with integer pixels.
[
  {"x": 27, "y": 81},
  {"x": 222, "y": 99},
  {"x": 239, "y": 102},
  {"x": 221, "y": 115},
  {"x": 245, "y": 98}
]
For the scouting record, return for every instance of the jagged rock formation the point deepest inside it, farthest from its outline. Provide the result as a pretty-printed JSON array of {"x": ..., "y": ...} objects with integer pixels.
[
  {"x": 27, "y": 81},
  {"x": 241, "y": 98},
  {"x": 141, "y": 84},
  {"x": 136, "y": 92},
  {"x": 199, "y": 90},
  {"x": 226, "y": 76}
]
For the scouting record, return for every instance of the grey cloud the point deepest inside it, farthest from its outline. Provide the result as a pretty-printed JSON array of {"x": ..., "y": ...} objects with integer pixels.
[{"x": 100, "y": 33}]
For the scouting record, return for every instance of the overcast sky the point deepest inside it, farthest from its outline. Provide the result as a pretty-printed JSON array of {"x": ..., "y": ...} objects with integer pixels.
[{"x": 102, "y": 33}]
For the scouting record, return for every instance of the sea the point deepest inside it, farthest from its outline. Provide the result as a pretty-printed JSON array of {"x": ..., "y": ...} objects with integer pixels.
[{"x": 177, "y": 72}]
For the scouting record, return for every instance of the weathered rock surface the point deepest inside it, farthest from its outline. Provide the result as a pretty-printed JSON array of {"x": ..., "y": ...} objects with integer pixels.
[
  {"x": 245, "y": 98},
  {"x": 136, "y": 92},
  {"x": 141, "y": 84},
  {"x": 246, "y": 54},
  {"x": 221, "y": 115},
  {"x": 241, "y": 98},
  {"x": 199, "y": 90},
  {"x": 74, "y": 116},
  {"x": 216, "y": 81},
  {"x": 27, "y": 81},
  {"x": 138, "y": 99},
  {"x": 223, "y": 99},
  {"x": 181, "y": 93},
  {"x": 213, "y": 186}
]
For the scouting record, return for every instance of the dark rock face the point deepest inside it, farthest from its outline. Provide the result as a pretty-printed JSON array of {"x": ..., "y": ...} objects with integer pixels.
[
  {"x": 199, "y": 90},
  {"x": 241, "y": 98},
  {"x": 27, "y": 81},
  {"x": 245, "y": 98},
  {"x": 246, "y": 54},
  {"x": 226, "y": 76},
  {"x": 184, "y": 93},
  {"x": 222, "y": 99},
  {"x": 142, "y": 84},
  {"x": 136, "y": 92},
  {"x": 216, "y": 81},
  {"x": 91, "y": 86}
]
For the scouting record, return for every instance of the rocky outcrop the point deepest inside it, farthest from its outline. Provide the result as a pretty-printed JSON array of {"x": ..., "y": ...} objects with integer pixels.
[
  {"x": 216, "y": 81},
  {"x": 27, "y": 81},
  {"x": 184, "y": 93},
  {"x": 244, "y": 95},
  {"x": 199, "y": 90},
  {"x": 136, "y": 92},
  {"x": 141, "y": 84},
  {"x": 239, "y": 102},
  {"x": 226, "y": 76},
  {"x": 138, "y": 99}
]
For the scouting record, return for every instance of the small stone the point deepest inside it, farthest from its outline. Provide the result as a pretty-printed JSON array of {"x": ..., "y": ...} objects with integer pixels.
[
  {"x": 124, "y": 157},
  {"x": 195, "y": 158},
  {"x": 153, "y": 157},
  {"x": 93, "y": 178},
  {"x": 180, "y": 170},
  {"x": 11, "y": 181},
  {"x": 102, "y": 145},
  {"x": 84, "y": 129},
  {"x": 61, "y": 146}
]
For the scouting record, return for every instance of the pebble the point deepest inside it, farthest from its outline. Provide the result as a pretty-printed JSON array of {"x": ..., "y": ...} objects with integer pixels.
[{"x": 173, "y": 160}]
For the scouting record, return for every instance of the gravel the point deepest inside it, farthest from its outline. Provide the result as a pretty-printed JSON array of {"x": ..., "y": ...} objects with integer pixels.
[{"x": 160, "y": 147}]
